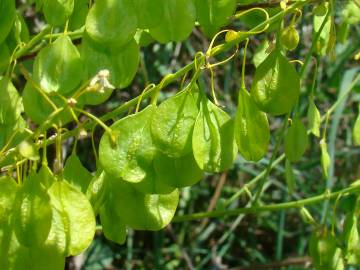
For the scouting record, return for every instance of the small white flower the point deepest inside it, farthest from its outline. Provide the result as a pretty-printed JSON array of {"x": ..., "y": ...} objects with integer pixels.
[{"x": 101, "y": 81}]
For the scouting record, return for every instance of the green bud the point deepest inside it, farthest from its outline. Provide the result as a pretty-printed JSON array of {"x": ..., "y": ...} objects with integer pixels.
[{"x": 290, "y": 38}]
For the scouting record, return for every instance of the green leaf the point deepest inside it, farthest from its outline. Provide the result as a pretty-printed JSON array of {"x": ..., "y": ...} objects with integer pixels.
[
  {"x": 177, "y": 22},
  {"x": 14, "y": 132},
  {"x": 149, "y": 12},
  {"x": 78, "y": 16},
  {"x": 76, "y": 174},
  {"x": 28, "y": 150},
  {"x": 10, "y": 102},
  {"x": 324, "y": 251},
  {"x": 173, "y": 123},
  {"x": 252, "y": 132},
  {"x": 4, "y": 57},
  {"x": 74, "y": 220},
  {"x": 356, "y": 130},
  {"x": 177, "y": 172},
  {"x": 289, "y": 176},
  {"x": 153, "y": 184},
  {"x": 46, "y": 176},
  {"x": 141, "y": 211},
  {"x": 58, "y": 67},
  {"x": 325, "y": 33},
  {"x": 276, "y": 85},
  {"x": 17, "y": 257},
  {"x": 32, "y": 213},
  {"x": 352, "y": 239},
  {"x": 112, "y": 22},
  {"x": 112, "y": 225},
  {"x": 19, "y": 33},
  {"x": 8, "y": 192},
  {"x": 314, "y": 118},
  {"x": 132, "y": 155},
  {"x": 38, "y": 109},
  {"x": 325, "y": 158},
  {"x": 213, "y": 139},
  {"x": 213, "y": 14},
  {"x": 6, "y": 7},
  {"x": 97, "y": 191},
  {"x": 296, "y": 140},
  {"x": 122, "y": 65},
  {"x": 57, "y": 12}
]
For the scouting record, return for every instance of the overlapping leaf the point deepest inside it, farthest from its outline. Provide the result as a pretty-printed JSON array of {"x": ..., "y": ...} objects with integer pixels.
[
  {"x": 252, "y": 132},
  {"x": 58, "y": 67},
  {"x": 172, "y": 124},
  {"x": 177, "y": 22},
  {"x": 213, "y": 141},
  {"x": 112, "y": 22},
  {"x": 131, "y": 156},
  {"x": 276, "y": 85}
]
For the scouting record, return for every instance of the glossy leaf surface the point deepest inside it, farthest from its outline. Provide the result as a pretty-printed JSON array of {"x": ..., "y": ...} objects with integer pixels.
[{"x": 57, "y": 12}]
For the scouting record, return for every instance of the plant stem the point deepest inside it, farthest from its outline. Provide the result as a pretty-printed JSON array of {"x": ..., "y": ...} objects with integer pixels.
[{"x": 270, "y": 207}]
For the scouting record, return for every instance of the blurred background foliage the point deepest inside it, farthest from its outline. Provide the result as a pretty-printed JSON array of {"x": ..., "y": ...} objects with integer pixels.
[{"x": 265, "y": 241}]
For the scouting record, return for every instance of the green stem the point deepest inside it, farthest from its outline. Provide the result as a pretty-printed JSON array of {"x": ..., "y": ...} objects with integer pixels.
[
  {"x": 32, "y": 43},
  {"x": 270, "y": 207}
]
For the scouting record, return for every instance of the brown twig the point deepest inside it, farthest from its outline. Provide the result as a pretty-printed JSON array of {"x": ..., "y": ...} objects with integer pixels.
[{"x": 277, "y": 265}]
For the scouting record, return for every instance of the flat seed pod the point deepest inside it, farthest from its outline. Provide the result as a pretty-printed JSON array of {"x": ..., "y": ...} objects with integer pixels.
[
  {"x": 7, "y": 196},
  {"x": 276, "y": 85},
  {"x": 32, "y": 213},
  {"x": 214, "y": 14},
  {"x": 356, "y": 130},
  {"x": 57, "y": 12},
  {"x": 76, "y": 174},
  {"x": 74, "y": 217},
  {"x": 213, "y": 139},
  {"x": 58, "y": 67},
  {"x": 10, "y": 102},
  {"x": 132, "y": 155},
  {"x": 172, "y": 124},
  {"x": 112, "y": 226},
  {"x": 112, "y": 22},
  {"x": 97, "y": 191},
  {"x": 6, "y": 7},
  {"x": 177, "y": 22},
  {"x": 177, "y": 172},
  {"x": 122, "y": 65},
  {"x": 252, "y": 132},
  {"x": 325, "y": 158},
  {"x": 314, "y": 118},
  {"x": 38, "y": 109},
  {"x": 149, "y": 12},
  {"x": 296, "y": 141},
  {"x": 142, "y": 211}
]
